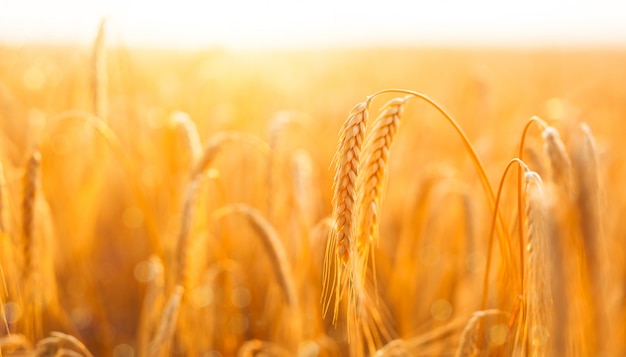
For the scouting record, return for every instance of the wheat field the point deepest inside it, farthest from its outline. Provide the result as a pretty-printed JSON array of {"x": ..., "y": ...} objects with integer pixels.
[{"x": 355, "y": 202}]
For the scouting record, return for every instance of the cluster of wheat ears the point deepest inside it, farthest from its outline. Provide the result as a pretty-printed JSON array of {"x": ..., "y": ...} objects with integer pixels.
[{"x": 241, "y": 257}]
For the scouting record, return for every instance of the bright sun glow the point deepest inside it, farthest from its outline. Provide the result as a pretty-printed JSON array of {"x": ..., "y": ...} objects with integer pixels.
[{"x": 289, "y": 23}]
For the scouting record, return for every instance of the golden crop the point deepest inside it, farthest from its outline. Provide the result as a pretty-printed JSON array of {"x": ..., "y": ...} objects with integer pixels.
[{"x": 219, "y": 203}]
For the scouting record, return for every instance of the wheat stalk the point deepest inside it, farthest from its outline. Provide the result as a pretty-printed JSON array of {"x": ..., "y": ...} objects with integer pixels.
[
  {"x": 589, "y": 217},
  {"x": 211, "y": 150},
  {"x": 161, "y": 342},
  {"x": 304, "y": 186},
  {"x": 271, "y": 244},
  {"x": 100, "y": 78},
  {"x": 153, "y": 297}
]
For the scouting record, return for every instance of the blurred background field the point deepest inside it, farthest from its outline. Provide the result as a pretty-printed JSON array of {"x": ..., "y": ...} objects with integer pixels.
[{"x": 108, "y": 210}]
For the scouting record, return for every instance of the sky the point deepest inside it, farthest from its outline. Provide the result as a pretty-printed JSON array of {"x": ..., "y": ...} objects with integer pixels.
[{"x": 320, "y": 23}]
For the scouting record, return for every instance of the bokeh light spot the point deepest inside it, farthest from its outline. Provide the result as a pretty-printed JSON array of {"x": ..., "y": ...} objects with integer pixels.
[
  {"x": 497, "y": 334},
  {"x": 441, "y": 310}
]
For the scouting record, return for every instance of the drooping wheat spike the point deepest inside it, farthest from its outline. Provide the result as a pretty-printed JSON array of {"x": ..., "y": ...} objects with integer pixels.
[
  {"x": 537, "y": 312},
  {"x": 100, "y": 78},
  {"x": 278, "y": 135},
  {"x": 187, "y": 139},
  {"x": 588, "y": 210},
  {"x": 560, "y": 246},
  {"x": 560, "y": 163},
  {"x": 587, "y": 193},
  {"x": 162, "y": 340},
  {"x": 273, "y": 247},
  {"x": 469, "y": 344},
  {"x": 60, "y": 344},
  {"x": 29, "y": 197},
  {"x": 373, "y": 174},
  {"x": 31, "y": 248},
  {"x": 189, "y": 198},
  {"x": 211, "y": 150},
  {"x": 217, "y": 141},
  {"x": 340, "y": 245},
  {"x": 13, "y": 344}
]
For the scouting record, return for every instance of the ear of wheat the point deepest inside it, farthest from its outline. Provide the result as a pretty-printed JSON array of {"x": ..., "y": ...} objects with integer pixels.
[
  {"x": 373, "y": 173},
  {"x": 536, "y": 315},
  {"x": 339, "y": 263}
]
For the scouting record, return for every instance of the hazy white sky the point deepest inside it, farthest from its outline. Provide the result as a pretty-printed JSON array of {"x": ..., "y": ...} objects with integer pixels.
[{"x": 289, "y": 23}]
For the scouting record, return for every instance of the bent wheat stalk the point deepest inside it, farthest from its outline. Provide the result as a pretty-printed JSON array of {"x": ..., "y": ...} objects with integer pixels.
[
  {"x": 211, "y": 151},
  {"x": 60, "y": 344},
  {"x": 272, "y": 246},
  {"x": 100, "y": 79}
]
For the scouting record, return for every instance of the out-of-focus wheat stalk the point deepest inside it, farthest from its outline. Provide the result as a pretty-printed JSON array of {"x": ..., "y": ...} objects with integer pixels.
[
  {"x": 151, "y": 304},
  {"x": 60, "y": 344},
  {"x": 161, "y": 342},
  {"x": 211, "y": 150},
  {"x": 537, "y": 312},
  {"x": 100, "y": 76},
  {"x": 589, "y": 216}
]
